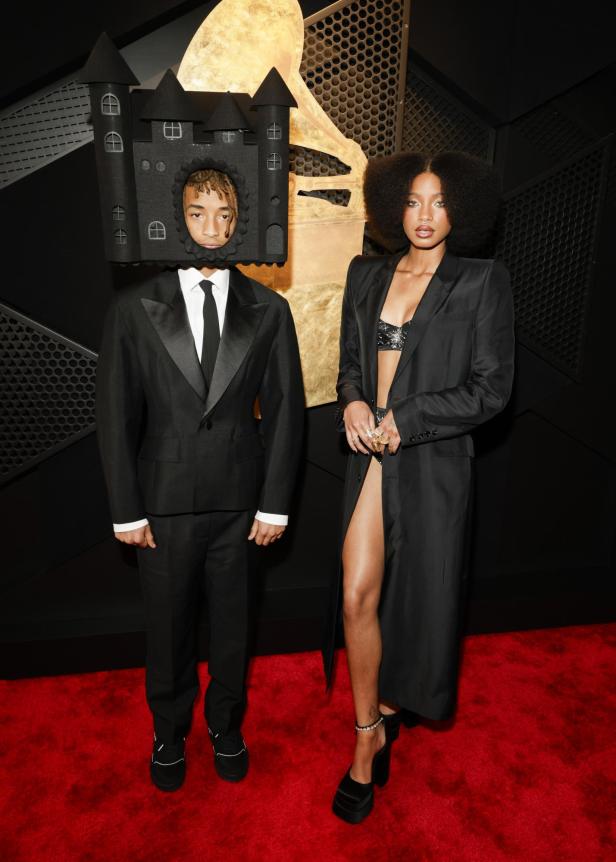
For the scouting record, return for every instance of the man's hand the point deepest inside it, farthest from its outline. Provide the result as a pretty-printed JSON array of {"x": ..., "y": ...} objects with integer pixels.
[
  {"x": 265, "y": 534},
  {"x": 359, "y": 425},
  {"x": 387, "y": 433},
  {"x": 142, "y": 538}
]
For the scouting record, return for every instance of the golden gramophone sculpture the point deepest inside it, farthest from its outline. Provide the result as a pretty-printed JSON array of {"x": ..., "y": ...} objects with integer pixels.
[{"x": 233, "y": 50}]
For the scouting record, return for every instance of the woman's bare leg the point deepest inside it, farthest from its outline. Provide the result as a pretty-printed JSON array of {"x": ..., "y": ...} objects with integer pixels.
[{"x": 363, "y": 558}]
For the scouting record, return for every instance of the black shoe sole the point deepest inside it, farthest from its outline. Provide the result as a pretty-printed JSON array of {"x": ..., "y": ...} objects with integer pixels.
[
  {"x": 226, "y": 776},
  {"x": 166, "y": 788},
  {"x": 353, "y": 816}
]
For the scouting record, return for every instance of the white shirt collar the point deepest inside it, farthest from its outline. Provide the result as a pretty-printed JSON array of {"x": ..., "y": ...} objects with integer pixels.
[{"x": 190, "y": 278}]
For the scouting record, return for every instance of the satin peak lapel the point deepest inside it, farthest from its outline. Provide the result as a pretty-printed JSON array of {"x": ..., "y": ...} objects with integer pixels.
[
  {"x": 170, "y": 320},
  {"x": 436, "y": 293},
  {"x": 369, "y": 310},
  {"x": 242, "y": 320}
]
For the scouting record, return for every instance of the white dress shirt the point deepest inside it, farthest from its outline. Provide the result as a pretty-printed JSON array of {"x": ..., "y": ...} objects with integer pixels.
[{"x": 194, "y": 299}]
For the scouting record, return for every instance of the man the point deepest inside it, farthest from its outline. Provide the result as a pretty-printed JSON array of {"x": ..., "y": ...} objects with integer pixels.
[{"x": 184, "y": 358}]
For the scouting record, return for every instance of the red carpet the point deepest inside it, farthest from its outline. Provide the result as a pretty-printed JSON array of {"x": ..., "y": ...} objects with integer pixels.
[{"x": 526, "y": 772}]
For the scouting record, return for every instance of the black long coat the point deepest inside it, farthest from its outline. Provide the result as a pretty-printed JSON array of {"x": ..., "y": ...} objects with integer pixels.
[{"x": 454, "y": 373}]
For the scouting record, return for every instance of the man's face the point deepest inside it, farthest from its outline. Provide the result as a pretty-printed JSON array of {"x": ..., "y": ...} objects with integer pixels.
[{"x": 209, "y": 217}]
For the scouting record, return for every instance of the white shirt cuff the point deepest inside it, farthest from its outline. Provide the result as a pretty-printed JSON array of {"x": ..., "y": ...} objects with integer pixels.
[
  {"x": 277, "y": 520},
  {"x": 134, "y": 525}
]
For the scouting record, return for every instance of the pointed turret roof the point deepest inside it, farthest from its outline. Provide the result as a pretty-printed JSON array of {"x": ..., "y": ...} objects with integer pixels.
[
  {"x": 227, "y": 115},
  {"x": 273, "y": 91},
  {"x": 106, "y": 65},
  {"x": 169, "y": 101}
]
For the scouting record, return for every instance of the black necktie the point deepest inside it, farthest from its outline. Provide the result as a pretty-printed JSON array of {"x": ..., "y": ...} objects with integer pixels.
[{"x": 211, "y": 332}]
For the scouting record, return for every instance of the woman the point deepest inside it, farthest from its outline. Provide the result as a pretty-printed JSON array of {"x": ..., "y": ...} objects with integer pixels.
[{"x": 426, "y": 355}]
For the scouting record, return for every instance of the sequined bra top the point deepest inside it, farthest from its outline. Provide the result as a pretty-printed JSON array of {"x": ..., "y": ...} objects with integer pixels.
[{"x": 390, "y": 337}]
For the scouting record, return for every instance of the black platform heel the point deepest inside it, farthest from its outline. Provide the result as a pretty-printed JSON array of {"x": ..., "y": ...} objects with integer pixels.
[
  {"x": 393, "y": 722},
  {"x": 353, "y": 801}
]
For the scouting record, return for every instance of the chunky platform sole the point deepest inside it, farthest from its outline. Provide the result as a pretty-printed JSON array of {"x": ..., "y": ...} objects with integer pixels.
[
  {"x": 352, "y": 815},
  {"x": 166, "y": 787}
]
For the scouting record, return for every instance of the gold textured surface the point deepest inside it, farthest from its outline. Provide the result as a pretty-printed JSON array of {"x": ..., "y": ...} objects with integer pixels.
[{"x": 233, "y": 49}]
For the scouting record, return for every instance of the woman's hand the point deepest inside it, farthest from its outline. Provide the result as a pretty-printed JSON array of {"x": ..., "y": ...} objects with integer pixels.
[
  {"x": 359, "y": 426},
  {"x": 387, "y": 434}
]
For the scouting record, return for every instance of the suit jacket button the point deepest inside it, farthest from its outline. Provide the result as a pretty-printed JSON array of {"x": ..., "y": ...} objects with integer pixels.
[{"x": 208, "y": 424}]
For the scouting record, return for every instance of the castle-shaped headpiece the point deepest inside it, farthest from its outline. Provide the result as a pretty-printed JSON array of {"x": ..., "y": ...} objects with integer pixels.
[{"x": 148, "y": 142}]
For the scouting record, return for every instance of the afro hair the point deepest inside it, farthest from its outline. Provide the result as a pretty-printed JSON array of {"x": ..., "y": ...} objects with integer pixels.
[{"x": 470, "y": 187}]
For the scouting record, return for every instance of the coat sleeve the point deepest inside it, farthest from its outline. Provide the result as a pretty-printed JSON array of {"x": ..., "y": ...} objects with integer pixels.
[
  {"x": 119, "y": 413},
  {"x": 281, "y": 400},
  {"x": 457, "y": 410},
  {"x": 349, "y": 384}
]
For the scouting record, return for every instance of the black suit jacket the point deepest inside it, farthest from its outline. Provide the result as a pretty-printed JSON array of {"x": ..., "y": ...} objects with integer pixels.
[{"x": 170, "y": 446}]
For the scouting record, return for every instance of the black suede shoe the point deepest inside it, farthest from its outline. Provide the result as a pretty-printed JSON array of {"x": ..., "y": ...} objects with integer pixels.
[
  {"x": 353, "y": 801},
  {"x": 394, "y": 720},
  {"x": 230, "y": 755},
  {"x": 168, "y": 766},
  {"x": 408, "y": 718},
  {"x": 392, "y": 723}
]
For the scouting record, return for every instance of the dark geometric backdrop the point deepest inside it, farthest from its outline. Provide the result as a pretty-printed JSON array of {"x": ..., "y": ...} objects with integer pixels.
[{"x": 544, "y": 538}]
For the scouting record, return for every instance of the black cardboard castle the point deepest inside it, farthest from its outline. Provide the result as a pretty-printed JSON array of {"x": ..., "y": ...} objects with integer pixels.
[{"x": 147, "y": 143}]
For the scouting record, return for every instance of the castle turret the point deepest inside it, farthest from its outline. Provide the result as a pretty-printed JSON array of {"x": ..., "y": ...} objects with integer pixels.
[
  {"x": 226, "y": 120},
  {"x": 272, "y": 102},
  {"x": 170, "y": 110},
  {"x": 109, "y": 78}
]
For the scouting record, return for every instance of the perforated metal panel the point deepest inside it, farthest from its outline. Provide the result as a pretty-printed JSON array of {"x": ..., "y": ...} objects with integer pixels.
[
  {"x": 46, "y": 392},
  {"x": 340, "y": 197},
  {"x": 548, "y": 241},
  {"x": 311, "y": 163},
  {"x": 435, "y": 121},
  {"x": 43, "y": 130},
  {"x": 551, "y": 131},
  {"x": 353, "y": 56},
  {"x": 611, "y": 182}
]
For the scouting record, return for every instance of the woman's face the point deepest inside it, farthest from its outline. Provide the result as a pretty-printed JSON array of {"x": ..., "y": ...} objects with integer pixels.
[{"x": 425, "y": 220}]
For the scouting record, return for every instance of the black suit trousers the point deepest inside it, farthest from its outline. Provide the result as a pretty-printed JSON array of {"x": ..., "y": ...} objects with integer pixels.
[{"x": 199, "y": 556}]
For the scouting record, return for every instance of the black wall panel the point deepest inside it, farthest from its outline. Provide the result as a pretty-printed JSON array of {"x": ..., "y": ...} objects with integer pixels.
[{"x": 543, "y": 549}]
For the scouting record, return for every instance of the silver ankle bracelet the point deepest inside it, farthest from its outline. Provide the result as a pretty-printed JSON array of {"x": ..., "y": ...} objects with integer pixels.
[{"x": 366, "y": 728}]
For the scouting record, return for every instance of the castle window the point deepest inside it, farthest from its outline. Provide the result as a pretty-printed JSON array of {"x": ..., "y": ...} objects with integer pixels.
[
  {"x": 110, "y": 105},
  {"x": 113, "y": 143},
  {"x": 121, "y": 237},
  {"x": 118, "y": 213},
  {"x": 228, "y": 137},
  {"x": 274, "y": 162},
  {"x": 156, "y": 230},
  {"x": 274, "y": 239},
  {"x": 274, "y": 132},
  {"x": 172, "y": 131}
]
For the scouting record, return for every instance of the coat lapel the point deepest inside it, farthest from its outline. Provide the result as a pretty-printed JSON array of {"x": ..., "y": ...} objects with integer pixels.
[
  {"x": 437, "y": 291},
  {"x": 242, "y": 320},
  {"x": 370, "y": 310},
  {"x": 169, "y": 318}
]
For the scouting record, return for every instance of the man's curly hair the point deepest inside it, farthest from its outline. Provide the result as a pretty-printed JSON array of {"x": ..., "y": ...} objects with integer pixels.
[{"x": 471, "y": 191}]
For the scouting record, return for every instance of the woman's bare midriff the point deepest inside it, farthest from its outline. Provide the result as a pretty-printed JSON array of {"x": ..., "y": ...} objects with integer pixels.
[{"x": 403, "y": 297}]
